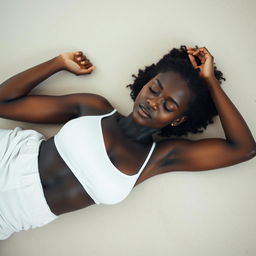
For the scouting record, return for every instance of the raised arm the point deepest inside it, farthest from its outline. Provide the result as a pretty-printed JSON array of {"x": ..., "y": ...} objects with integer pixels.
[
  {"x": 239, "y": 144},
  {"x": 21, "y": 84},
  {"x": 17, "y": 105}
]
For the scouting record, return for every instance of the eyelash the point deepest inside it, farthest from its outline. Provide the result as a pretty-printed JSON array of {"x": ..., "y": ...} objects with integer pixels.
[{"x": 154, "y": 92}]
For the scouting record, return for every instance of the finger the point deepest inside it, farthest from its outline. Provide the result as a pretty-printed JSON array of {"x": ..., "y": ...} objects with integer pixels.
[
  {"x": 201, "y": 54},
  {"x": 192, "y": 60},
  {"x": 85, "y": 67},
  {"x": 202, "y": 59},
  {"x": 88, "y": 65},
  {"x": 206, "y": 54},
  {"x": 80, "y": 59},
  {"x": 190, "y": 51},
  {"x": 200, "y": 49},
  {"x": 196, "y": 52},
  {"x": 204, "y": 51},
  {"x": 83, "y": 58},
  {"x": 84, "y": 62},
  {"x": 193, "y": 49},
  {"x": 78, "y": 53},
  {"x": 87, "y": 70}
]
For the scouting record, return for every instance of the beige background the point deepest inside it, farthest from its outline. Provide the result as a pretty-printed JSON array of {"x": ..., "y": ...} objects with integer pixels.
[{"x": 180, "y": 213}]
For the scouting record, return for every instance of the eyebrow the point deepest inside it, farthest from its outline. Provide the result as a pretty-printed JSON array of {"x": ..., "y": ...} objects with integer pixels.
[{"x": 161, "y": 86}]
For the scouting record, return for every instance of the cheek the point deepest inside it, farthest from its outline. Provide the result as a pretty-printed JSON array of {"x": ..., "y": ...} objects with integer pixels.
[{"x": 164, "y": 119}]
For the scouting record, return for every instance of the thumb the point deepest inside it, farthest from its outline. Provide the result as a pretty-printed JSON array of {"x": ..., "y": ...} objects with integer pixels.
[{"x": 86, "y": 70}]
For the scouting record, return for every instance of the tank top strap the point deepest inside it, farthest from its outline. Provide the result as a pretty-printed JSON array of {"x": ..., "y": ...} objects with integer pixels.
[
  {"x": 147, "y": 159},
  {"x": 108, "y": 114}
]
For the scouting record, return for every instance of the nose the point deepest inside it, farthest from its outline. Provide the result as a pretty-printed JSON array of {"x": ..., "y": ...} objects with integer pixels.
[{"x": 152, "y": 104}]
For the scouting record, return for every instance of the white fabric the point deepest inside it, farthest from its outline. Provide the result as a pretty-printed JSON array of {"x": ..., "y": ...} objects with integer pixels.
[
  {"x": 22, "y": 202},
  {"x": 80, "y": 143}
]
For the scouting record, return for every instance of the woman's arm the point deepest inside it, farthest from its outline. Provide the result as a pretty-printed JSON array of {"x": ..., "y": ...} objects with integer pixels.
[
  {"x": 205, "y": 154},
  {"x": 235, "y": 128},
  {"x": 21, "y": 84},
  {"x": 16, "y": 105}
]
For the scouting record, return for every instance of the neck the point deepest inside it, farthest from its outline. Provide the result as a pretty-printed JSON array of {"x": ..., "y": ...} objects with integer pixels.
[{"x": 136, "y": 131}]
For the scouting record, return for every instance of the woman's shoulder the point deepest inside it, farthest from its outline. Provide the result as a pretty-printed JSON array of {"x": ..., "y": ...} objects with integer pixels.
[{"x": 92, "y": 104}]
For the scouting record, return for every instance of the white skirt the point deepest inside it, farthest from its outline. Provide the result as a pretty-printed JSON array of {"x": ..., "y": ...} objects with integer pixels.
[{"x": 22, "y": 202}]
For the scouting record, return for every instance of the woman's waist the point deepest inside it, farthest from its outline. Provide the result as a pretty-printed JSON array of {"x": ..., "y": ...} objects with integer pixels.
[
  {"x": 50, "y": 164},
  {"x": 62, "y": 189}
]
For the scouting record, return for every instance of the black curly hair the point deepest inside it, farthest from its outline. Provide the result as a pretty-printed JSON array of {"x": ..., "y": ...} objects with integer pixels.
[{"x": 201, "y": 109}]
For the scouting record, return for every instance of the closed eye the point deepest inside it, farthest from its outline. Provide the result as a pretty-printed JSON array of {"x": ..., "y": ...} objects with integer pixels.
[
  {"x": 165, "y": 105},
  {"x": 151, "y": 90},
  {"x": 166, "y": 108}
]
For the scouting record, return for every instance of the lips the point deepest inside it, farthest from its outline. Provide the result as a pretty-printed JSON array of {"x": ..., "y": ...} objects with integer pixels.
[{"x": 144, "y": 111}]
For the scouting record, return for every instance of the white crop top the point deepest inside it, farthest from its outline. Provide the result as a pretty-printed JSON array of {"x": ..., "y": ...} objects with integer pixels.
[{"x": 81, "y": 145}]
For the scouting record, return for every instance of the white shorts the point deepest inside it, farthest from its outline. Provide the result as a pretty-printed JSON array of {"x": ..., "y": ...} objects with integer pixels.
[{"x": 22, "y": 202}]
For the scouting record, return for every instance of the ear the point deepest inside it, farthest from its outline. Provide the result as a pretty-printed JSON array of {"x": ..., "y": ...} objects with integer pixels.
[{"x": 179, "y": 120}]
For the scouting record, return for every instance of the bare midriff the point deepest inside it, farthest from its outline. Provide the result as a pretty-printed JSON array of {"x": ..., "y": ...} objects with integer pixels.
[{"x": 62, "y": 190}]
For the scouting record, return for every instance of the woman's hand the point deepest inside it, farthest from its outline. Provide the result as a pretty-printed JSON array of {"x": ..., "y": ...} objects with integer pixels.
[
  {"x": 206, "y": 67},
  {"x": 77, "y": 63}
]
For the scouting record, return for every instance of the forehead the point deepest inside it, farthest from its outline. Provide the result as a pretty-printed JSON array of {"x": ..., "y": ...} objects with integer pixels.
[
  {"x": 172, "y": 79},
  {"x": 174, "y": 86}
]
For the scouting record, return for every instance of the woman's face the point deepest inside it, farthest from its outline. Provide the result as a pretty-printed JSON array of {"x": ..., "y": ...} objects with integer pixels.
[{"x": 162, "y": 101}]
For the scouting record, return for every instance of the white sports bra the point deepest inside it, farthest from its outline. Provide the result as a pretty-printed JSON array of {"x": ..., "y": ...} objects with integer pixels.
[{"x": 80, "y": 143}]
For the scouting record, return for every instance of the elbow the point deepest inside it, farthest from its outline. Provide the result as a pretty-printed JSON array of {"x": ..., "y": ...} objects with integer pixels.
[
  {"x": 251, "y": 153},
  {"x": 245, "y": 153}
]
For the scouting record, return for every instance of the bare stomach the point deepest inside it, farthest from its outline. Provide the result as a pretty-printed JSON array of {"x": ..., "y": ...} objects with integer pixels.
[{"x": 63, "y": 192}]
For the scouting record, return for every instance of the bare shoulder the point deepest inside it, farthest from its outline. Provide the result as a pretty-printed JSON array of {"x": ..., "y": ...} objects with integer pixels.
[{"x": 91, "y": 104}]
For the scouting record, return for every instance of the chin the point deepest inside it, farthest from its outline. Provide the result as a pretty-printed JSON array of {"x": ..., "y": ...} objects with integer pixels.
[{"x": 138, "y": 119}]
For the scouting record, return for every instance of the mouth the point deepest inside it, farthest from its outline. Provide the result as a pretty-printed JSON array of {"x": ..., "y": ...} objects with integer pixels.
[{"x": 143, "y": 111}]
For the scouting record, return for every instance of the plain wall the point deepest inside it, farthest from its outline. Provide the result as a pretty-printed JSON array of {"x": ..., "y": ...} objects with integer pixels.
[{"x": 181, "y": 213}]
